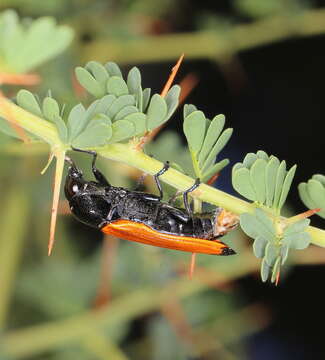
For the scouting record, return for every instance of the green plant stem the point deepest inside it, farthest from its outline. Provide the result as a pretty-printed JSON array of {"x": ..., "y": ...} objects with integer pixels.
[
  {"x": 13, "y": 226},
  {"x": 208, "y": 44},
  {"x": 131, "y": 155},
  {"x": 39, "y": 338},
  {"x": 32, "y": 123}
]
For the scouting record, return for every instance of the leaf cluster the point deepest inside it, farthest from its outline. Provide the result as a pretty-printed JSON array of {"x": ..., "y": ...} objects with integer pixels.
[
  {"x": 26, "y": 44},
  {"x": 271, "y": 243},
  {"x": 206, "y": 138},
  {"x": 263, "y": 179},
  {"x": 312, "y": 193},
  {"x": 122, "y": 109}
]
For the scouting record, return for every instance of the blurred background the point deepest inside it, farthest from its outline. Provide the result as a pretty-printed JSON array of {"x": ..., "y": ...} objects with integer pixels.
[{"x": 261, "y": 63}]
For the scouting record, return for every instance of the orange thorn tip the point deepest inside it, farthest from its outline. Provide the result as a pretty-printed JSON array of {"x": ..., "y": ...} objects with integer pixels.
[
  {"x": 277, "y": 279},
  {"x": 172, "y": 76},
  {"x": 309, "y": 213}
]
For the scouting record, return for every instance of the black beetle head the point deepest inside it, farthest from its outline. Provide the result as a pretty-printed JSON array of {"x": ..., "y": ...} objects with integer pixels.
[{"x": 74, "y": 181}]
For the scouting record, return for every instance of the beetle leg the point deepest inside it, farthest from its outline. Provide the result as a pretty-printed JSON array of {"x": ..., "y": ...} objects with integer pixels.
[
  {"x": 156, "y": 177},
  {"x": 98, "y": 175},
  {"x": 185, "y": 196}
]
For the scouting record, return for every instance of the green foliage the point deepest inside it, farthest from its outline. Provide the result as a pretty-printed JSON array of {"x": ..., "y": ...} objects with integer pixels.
[
  {"x": 49, "y": 110},
  {"x": 205, "y": 139},
  {"x": 27, "y": 44},
  {"x": 263, "y": 179},
  {"x": 312, "y": 193},
  {"x": 271, "y": 242},
  {"x": 122, "y": 109},
  {"x": 132, "y": 104}
]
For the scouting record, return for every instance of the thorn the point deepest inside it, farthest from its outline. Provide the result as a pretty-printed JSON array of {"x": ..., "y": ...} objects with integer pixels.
[
  {"x": 309, "y": 213},
  {"x": 213, "y": 178},
  {"x": 303, "y": 215},
  {"x": 56, "y": 195},
  {"x": 277, "y": 279},
  {"x": 51, "y": 156},
  {"x": 151, "y": 134},
  {"x": 192, "y": 265},
  {"x": 172, "y": 76},
  {"x": 19, "y": 79}
]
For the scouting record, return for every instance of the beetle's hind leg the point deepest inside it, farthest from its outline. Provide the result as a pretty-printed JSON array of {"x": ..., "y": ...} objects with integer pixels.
[
  {"x": 185, "y": 196},
  {"x": 98, "y": 175},
  {"x": 156, "y": 177}
]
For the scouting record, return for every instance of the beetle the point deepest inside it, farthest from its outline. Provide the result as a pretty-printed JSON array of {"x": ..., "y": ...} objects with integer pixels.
[{"x": 145, "y": 218}]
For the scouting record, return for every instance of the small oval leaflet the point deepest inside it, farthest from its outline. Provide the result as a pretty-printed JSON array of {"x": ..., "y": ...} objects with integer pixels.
[
  {"x": 156, "y": 113},
  {"x": 90, "y": 83},
  {"x": 50, "y": 108},
  {"x": 194, "y": 130},
  {"x": 27, "y": 101},
  {"x": 117, "y": 86}
]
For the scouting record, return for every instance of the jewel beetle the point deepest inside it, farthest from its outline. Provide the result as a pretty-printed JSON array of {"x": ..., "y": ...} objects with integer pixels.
[{"x": 145, "y": 218}]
